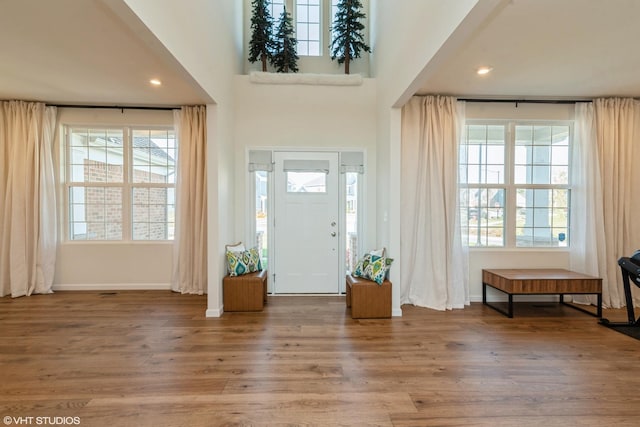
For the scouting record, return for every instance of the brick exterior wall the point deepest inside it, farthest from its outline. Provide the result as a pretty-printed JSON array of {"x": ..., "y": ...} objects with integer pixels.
[{"x": 103, "y": 206}]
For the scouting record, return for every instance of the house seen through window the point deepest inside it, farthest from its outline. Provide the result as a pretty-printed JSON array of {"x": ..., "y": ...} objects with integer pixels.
[
  {"x": 120, "y": 183},
  {"x": 515, "y": 188}
]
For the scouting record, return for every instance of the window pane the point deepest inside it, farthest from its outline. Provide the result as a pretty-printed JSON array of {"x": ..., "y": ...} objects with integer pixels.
[
  {"x": 95, "y": 213},
  {"x": 95, "y": 155},
  {"x": 302, "y": 14},
  {"x": 542, "y": 135},
  {"x": 306, "y": 182},
  {"x": 153, "y": 156},
  {"x": 303, "y": 32},
  {"x": 308, "y": 27},
  {"x": 314, "y": 48},
  {"x": 482, "y": 216},
  {"x": 483, "y": 155},
  {"x": 352, "y": 220},
  {"x": 153, "y": 213},
  {"x": 542, "y": 218},
  {"x": 262, "y": 216}
]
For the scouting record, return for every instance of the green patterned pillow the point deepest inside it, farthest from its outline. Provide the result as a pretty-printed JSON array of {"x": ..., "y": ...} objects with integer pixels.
[
  {"x": 362, "y": 265},
  {"x": 239, "y": 263},
  {"x": 377, "y": 269}
]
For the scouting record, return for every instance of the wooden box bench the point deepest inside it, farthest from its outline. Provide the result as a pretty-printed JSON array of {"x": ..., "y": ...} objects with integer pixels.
[
  {"x": 245, "y": 293},
  {"x": 367, "y": 299},
  {"x": 542, "y": 281}
]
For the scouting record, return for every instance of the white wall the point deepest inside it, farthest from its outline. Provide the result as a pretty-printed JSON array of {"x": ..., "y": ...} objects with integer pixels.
[
  {"x": 111, "y": 265},
  {"x": 206, "y": 37},
  {"x": 304, "y": 117},
  {"x": 515, "y": 257},
  {"x": 405, "y": 36}
]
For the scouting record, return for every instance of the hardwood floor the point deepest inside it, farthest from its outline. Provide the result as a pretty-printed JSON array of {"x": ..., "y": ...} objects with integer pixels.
[{"x": 151, "y": 358}]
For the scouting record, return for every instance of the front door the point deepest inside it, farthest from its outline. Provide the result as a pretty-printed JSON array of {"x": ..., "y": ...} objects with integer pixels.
[{"x": 306, "y": 228}]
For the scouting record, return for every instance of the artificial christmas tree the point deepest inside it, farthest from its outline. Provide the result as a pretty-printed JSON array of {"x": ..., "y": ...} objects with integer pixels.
[
  {"x": 261, "y": 41},
  {"x": 348, "y": 40},
  {"x": 284, "y": 53}
]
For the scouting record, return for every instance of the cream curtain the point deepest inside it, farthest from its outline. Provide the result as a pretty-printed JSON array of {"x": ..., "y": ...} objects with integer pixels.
[
  {"x": 190, "y": 245},
  {"x": 27, "y": 198},
  {"x": 434, "y": 262},
  {"x": 617, "y": 124}
]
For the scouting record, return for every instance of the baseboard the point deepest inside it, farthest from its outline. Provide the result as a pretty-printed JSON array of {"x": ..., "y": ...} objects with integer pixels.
[
  {"x": 112, "y": 287},
  {"x": 213, "y": 312},
  {"x": 396, "y": 312}
]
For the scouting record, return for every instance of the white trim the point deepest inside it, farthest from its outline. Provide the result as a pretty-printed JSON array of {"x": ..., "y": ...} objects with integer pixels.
[
  {"x": 112, "y": 287},
  {"x": 396, "y": 312},
  {"x": 261, "y": 77},
  {"x": 214, "y": 312}
]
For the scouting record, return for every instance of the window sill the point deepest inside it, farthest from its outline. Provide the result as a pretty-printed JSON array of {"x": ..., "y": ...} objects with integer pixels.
[{"x": 260, "y": 77}]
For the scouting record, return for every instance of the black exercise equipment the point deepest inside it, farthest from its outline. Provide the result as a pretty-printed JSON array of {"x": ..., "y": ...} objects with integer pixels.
[{"x": 630, "y": 267}]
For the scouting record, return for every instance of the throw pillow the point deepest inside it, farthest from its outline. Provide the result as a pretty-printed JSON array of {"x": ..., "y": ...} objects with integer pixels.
[
  {"x": 239, "y": 263},
  {"x": 362, "y": 265},
  {"x": 238, "y": 247},
  {"x": 377, "y": 269}
]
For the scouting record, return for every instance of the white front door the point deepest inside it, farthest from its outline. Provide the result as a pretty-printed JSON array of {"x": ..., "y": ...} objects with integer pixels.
[{"x": 306, "y": 223}]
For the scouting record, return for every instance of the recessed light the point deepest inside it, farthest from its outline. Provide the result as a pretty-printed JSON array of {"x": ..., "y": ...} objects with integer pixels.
[
  {"x": 155, "y": 82},
  {"x": 484, "y": 70}
]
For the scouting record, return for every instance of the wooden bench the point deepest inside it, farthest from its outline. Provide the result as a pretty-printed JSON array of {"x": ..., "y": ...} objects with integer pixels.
[
  {"x": 367, "y": 299},
  {"x": 245, "y": 293},
  {"x": 544, "y": 281}
]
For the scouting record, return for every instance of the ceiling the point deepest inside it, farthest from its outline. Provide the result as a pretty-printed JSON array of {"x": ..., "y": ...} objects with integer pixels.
[
  {"x": 89, "y": 52},
  {"x": 546, "y": 49},
  {"x": 98, "y": 52}
]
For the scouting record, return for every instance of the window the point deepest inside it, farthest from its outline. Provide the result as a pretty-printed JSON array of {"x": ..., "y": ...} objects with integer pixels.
[
  {"x": 120, "y": 183},
  {"x": 308, "y": 27},
  {"x": 262, "y": 215},
  {"x": 515, "y": 188},
  {"x": 312, "y": 20},
  {"x": 351, "y": 181}
]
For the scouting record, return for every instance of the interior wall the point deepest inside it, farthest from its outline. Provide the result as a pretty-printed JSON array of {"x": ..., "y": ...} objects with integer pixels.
[
  {"x": 204, "y": 36},
  {"x": 304, "y": 117},
  {"x": 109, "y": 265},
  {"x": 515, "y": 257}
]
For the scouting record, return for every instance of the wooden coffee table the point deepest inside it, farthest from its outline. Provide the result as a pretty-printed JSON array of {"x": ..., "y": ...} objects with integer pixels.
[{"x": 541, "y": 281}]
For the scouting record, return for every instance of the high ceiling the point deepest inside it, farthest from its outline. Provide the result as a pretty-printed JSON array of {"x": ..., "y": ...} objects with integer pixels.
[
  {"x": 98, "y": 52},
  {"x": 93, "y": 52},
  {"x": 546, "y": 49}
]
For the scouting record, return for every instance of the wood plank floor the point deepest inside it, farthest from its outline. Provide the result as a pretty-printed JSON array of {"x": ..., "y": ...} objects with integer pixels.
[{"x": 151, "y": 358}]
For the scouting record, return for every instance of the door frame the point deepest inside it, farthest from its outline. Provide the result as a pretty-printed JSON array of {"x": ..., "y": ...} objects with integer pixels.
[{"x": 250, "y": 203}]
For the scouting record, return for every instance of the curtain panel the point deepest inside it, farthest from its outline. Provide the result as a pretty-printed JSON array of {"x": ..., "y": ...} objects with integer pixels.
[
  {"x": 434, "y": 261},
  {"x": 190, "y": 245},
  {"x": 617, "y": 124},
  {"x": 28, "y": 217}
]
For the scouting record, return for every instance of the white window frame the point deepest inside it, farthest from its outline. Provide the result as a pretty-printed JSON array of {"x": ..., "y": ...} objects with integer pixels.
[
  {"x": 127, "y": 185},
  {"x": 327, "y": 13},
  {"x": 510, "y": 187}
]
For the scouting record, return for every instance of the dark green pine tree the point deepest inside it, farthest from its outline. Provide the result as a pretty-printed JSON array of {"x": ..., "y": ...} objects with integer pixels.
[
  {"x": 348, "y": 40},
  {"x": 261, "y": 41},
  {"x": 284, "y": 55}
]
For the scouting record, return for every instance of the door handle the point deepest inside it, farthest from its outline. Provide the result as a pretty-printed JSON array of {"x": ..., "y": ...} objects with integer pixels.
[{"x": 333, "y": 234}]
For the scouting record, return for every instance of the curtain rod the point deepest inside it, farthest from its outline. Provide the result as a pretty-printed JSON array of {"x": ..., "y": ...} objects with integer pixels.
[
  {"x": 113, "y": 107},
  {"x": 527, "y": 101}
]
